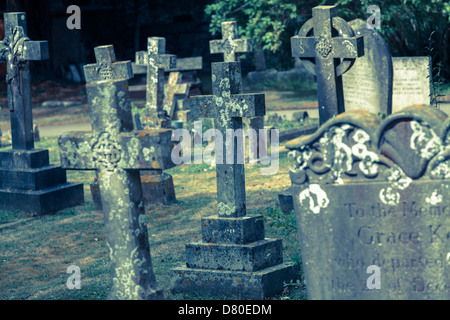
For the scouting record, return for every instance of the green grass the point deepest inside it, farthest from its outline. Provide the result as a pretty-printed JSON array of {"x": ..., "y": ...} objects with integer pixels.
[{"x": 34, "y": 256}]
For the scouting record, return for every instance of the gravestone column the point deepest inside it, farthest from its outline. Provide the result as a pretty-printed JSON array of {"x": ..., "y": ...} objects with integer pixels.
[
  {"x": 231, "y": 46},
  {"x": 332, "y": 56},
  {"x": 118, "y": 152},
  {"x": 27, "y": 180},
  {"x": 234, "y": 257},
  {"x": 156, "y": 61},
  {"x": 158, "y": 186}
]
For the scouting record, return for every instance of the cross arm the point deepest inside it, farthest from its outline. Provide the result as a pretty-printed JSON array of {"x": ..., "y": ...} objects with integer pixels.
[
  {"x": 303, "y": 47},
  {"x": 236, "y": 106},
  {"x": 35, "y": 50},
  {"x": 136, "y": 150},
  {"x": 164, "y": 61},
  {"x": 349, "y": 48},
  {"x": 236, "y": 45},
  {"x": 122, "y": 70}
]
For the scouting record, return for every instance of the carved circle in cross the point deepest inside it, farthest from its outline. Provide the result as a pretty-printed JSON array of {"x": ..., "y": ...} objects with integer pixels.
[
  {"x": 107, "y": 153},
  {"x": 324, "y": 46}
]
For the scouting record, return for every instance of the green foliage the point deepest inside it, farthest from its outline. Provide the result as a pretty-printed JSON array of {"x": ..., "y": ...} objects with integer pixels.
[
  {"x": 263, "y": 21},
  {"x": 406, "y": 25},
  {"x": 275, "y": 218},
  {"x": 437, "y": 80}
]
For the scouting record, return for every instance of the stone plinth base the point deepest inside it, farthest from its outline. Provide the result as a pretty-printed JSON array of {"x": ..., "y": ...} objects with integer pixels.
[
  {"x": 257, "y": 285},
  {"x": 30, "y": 184}
]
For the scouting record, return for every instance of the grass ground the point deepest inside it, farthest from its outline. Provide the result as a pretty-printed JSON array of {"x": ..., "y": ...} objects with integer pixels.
[{"x": 35, "y": 255}]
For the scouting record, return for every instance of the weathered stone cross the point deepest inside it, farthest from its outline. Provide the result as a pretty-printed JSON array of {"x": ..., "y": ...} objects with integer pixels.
[
  {"x": 174, "y": 88},
  {"x": 119, "y": 153},
  {"x": 234, "y": 257},
  {"x": 228, "y": 106},
  {"x": 156, "y": 61},
  {"x": 107, "y": 67},
  {"x": 327, "y": 50},
  {"x": 230, "y": 45},
  {"x": 17, "y": 50}
]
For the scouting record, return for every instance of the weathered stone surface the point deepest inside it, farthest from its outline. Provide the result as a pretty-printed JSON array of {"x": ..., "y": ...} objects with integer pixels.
[
  {"x": 174, "y": 91},
  {"x": 228, "y": 106},
  {"x": 369, "y": 192},
  {"x": 107, "y": 67},
  {"x": 256, "y": 285},
  {"x": 234, "y": 258},
  {"x": 412, "y": 82},
  {"x": 368, "y": 84},
  {"x": 27, "y": 180},
  {"x": 158, "y": 188},
  {"x": 241, "y": 230},
  {"x": 156, "y": 61},
  {"x": 325, "y": 50},
  {"x": 118, "y": 153},
  {"x": 230, "y": 46}
]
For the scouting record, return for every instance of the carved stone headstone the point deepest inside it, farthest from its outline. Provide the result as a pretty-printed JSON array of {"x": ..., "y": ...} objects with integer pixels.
[
  {"x": 231, "y": 46},
  {"x": 27, "y": 180},
  {"x": 412, "y": 82},
  {"x": 174, "y": 91},
  {"x": 234, "y": 257},
  {"x": 327, "y": 57},
  {"x": 119, "y": 153},
  {"x": 368, "y": 84},
  {"x": 156, "y": 60},
  {"x": 372, "y": 206},
  {"x": 158, "y": 188}
]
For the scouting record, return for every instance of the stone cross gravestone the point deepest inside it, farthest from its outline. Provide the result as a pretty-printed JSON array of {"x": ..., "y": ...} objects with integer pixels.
[
  {"x": 230, "y": 46},
  {"x": 412, "y": 82},
  {"x": 368, "y": 84},
  {"x": 174, "y": 91},
  {"x": 372, "y": 206},
  {"x": 158, "y": 186},
  {"x": 156, "y": 61},
  {"x": 27, "y": 180},
  {"x": 327, "y": 56},
  {"x": 119, "y": 153},
  {"x": 234, "y": 257},
  {"x": 106, "y": 68}
]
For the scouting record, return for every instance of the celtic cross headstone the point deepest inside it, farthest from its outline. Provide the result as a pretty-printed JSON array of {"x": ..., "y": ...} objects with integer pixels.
[{"x": 327, "y": 56}]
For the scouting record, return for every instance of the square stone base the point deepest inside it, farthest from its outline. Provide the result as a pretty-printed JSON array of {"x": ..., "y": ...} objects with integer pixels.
[
  {"x": 257, "y": 285},
  {"x": 41, "y": 202}
]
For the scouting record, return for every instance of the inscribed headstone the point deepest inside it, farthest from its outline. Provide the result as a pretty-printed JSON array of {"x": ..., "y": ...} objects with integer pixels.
[
  {"x": 368, "y": 84},
  {"x": 412, "y": 82},
  {"x": 372, "y": 206}
]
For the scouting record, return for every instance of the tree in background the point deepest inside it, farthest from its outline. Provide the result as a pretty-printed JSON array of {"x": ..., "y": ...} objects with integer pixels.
[
  {"x": 407, "y": 25},
  {"x": 263, "y": 21}
]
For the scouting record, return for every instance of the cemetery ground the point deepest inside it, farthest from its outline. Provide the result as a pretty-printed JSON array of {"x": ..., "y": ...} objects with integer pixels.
[{"x": 35, "y": 252}]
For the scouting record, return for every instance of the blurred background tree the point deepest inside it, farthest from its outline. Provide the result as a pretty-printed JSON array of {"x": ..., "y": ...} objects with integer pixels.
[{"x": 406, "y": 26}]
